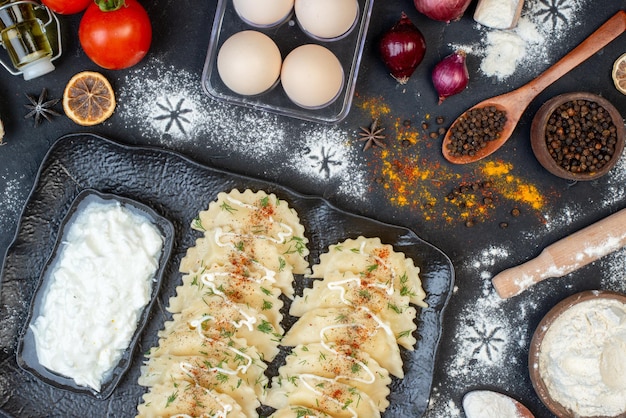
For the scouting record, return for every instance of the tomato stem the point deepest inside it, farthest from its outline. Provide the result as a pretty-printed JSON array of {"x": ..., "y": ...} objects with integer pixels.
[{"x": 110, "y": 5}]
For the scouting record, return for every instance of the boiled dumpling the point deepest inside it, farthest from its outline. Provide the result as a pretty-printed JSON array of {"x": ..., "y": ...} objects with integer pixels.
[
  {"x": 228, "y": 351},
  {"x": 247, "y": 257},
  {"x": 370, "y": 258},
  {"x": 263, "y": 298},
  {"x": 200, "y": 370},
  {"x": 186, "y": 399},
  {"x": 338, "y": 290},
  {"x": 260, "y": 215},
  {"x": 357, "y": 369},
  {"x": 298, "y": 411},
  {"x": 216, "y": 315},
  {"x": 334, "y": 398},
  {"x": 348, "y": 327}
]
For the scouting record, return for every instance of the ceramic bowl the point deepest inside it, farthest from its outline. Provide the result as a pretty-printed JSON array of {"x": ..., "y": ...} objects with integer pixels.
[
  {"x": 548, "y": 320},
  {"x": 27, "y": 352},
  {"x": 540, "y": 147}
]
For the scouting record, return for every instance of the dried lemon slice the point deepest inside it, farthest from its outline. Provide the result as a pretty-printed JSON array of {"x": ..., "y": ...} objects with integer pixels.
[
  {"x": 88, "y": 98},
  {"x": 619, "y": 73}
]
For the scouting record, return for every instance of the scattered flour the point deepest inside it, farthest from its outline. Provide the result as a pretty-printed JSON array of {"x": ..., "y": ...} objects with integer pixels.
[
  {"x": 167, "y": 105},
  {"x": 486, "y": 340},
  {"x": 12, "y": 198},
  {"x": 541, "y": 30},
  {"x": 613, "y": 268}
]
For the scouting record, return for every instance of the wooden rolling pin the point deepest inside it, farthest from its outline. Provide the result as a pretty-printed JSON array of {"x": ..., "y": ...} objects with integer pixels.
[{"x": 565, "y": 255}]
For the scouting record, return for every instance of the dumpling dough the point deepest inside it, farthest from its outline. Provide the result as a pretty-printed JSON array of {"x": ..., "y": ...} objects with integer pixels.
[
  {"x": 355, "y": 329},
  {"x": 338, "y": 290},
  {"x": 196, "y": 369},
  {"x": 263, "y": 298},
  {"x": 251, "y": 257},
  {"x": 214, "y": 314},
  {"x": 369, "y": 257},
  {"x": 260, "y": 215},
  {"x": 184, "y": 398},
  {"x": 298, "y": 411},
  {"x": 357, "y": 369},
  {"x": 336, "y": 399}
]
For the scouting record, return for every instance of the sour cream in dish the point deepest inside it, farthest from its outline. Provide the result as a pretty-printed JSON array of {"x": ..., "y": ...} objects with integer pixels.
[{"x": 100, "y": 283}]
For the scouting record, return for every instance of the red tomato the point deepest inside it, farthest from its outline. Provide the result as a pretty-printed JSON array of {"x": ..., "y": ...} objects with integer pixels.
[
  {"x": 67, "y": 7},
  {"x": 116, "y": 39}
]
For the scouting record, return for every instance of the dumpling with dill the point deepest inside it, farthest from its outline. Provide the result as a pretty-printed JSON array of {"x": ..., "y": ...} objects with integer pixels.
[
  {"x": 237, "y": 215},
  {"x": 380, "y": 262}
]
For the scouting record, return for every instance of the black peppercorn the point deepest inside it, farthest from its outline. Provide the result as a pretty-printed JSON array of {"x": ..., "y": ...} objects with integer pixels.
[
  {"x": 473, "y": 130},
  {"x": 581, "y": 136}
]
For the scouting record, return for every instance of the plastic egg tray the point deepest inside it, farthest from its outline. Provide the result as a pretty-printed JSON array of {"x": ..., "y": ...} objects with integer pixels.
[{"x": 287, "y": 36}]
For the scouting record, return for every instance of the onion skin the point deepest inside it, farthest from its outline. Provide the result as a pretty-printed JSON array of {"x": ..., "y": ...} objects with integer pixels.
[
  {"x": 442, "y": 10},
  {"x": 402, "y": 49},
  {"x": 450, "y": 76}
]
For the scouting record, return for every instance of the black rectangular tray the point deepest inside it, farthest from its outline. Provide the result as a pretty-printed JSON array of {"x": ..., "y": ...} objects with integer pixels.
[{"x": 177, "y": 188}]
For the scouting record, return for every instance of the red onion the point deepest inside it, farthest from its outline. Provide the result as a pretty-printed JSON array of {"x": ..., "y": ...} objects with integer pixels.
[
  {"x": 450, "y": 76},
  {"x": 443, "y": 10},
  {"x": 402, "y": 48}
]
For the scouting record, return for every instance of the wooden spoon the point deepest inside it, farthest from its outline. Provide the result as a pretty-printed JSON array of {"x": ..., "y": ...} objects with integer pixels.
[
  {"x": 566, "y": 255},
  {"x": 481, "y": 403},
  {"x": 515, "y": 102}
]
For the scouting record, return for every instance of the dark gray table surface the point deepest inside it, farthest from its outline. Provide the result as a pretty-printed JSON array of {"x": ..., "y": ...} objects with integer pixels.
[{"x": 485, "y": 340}]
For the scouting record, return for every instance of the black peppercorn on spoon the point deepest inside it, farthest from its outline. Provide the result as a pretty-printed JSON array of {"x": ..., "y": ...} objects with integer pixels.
[{"x": 455, "y": 147}]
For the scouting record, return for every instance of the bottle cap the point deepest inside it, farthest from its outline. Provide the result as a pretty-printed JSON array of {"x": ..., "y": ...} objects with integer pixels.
[{"x": 37, "y": 68}]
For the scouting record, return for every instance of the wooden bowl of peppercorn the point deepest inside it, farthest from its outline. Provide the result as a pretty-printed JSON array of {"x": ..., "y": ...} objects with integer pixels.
[{"x": 577, "y": 136}]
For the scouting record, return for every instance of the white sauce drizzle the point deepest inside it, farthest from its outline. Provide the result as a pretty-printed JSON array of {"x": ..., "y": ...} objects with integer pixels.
[
  {"x": 248, "y": 321},
  {"x": 270, "y": 274},
  {"x": 226, "y": 408},
  {"x": 313, "y": 388},
  {"x": 391, "y": 287},
  {"x": 282, "y": 236},
  {"x": 197, "y": 324},
  {"x": 211, "y": 276}
]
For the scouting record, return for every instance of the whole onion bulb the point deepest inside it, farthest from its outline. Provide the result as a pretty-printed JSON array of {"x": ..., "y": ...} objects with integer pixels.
[
  {"x": 443, "y": 10},
  {"x": 450, "y": 76},
  {"x": 402, "y": 49}
]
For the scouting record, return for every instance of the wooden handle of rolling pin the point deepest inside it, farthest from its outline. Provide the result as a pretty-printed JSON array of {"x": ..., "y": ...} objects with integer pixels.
[{"x": 565, "y": 255}]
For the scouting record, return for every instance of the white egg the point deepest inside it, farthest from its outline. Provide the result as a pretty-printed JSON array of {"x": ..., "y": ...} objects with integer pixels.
[
  {"x": 326, "y": 19},
  {"x": 263, "y": 13},
  {"x": 249, "y": 63},
  {"x": 312, "y": 76}
]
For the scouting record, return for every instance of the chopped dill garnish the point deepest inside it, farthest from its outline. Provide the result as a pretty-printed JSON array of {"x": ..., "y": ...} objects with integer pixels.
[{"x": 228, "y": 208}]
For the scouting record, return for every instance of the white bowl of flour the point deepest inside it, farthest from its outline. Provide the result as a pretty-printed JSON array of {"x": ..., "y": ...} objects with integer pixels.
[{"x": 577, "y": 356}]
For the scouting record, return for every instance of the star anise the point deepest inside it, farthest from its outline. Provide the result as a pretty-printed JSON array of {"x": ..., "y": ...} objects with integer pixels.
[
  {"x": 372, "y": 136},
  {"x": 41, "y": 108}
]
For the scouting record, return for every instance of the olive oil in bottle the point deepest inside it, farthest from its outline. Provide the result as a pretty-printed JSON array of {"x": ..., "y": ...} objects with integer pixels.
[{"x": 24, "y": 38}]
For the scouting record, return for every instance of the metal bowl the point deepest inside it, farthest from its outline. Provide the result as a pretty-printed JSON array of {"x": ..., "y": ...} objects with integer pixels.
[{"x": 541, "y": 148}]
